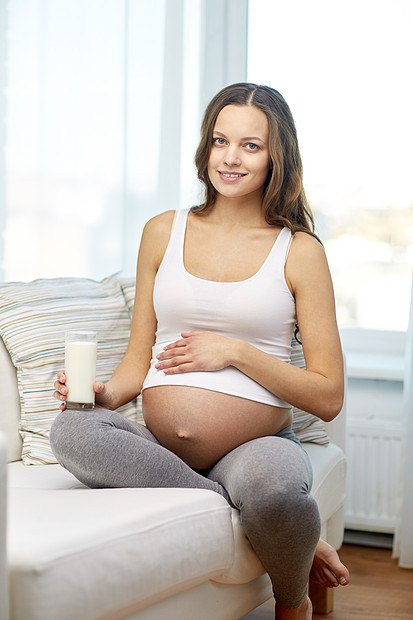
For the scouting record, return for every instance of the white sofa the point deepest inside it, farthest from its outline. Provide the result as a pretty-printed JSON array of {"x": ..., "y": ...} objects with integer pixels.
[{"x": 79, "y": 554}]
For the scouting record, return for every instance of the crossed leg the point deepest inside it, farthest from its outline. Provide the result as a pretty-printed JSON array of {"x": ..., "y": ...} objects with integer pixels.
[{"x": 269, "y": 480}]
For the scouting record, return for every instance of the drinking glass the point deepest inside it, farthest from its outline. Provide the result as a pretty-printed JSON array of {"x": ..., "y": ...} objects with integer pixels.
[{"x": 80, "y": 368}]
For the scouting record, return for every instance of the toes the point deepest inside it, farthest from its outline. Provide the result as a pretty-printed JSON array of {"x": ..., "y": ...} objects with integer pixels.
[
  {"x": 328, "y": 559},
  {"x": 324, "y": 577}
]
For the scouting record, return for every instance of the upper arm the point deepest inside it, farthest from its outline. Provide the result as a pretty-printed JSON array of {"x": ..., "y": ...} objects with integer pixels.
[
  {"x": 309, "y": 278},
  {"x": 152, "y": 248}
]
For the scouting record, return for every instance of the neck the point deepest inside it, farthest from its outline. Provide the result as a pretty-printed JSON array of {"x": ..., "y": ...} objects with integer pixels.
[{"x": 246, "y": 210}]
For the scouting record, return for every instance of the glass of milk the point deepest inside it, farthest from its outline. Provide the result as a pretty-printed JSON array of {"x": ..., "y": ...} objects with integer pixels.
[{"x": 80, "y": 368}]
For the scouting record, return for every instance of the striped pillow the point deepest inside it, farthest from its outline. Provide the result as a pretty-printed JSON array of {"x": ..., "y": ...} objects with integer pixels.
[
  {"x": 307, "y": 427},
  {"x": 33, "y": 319},
  {"x": 128, "y": 290}
]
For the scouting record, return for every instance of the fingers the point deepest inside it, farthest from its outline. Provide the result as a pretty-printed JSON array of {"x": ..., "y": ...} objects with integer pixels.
[
  {"x": 173, "y": 368},
  {"x": 62, "y": 390},
  {"x": 60, "y": 385},
  {"x": 174, "y": 358},
  {"x": 196, "y": 351},
  {"x": 184, "y": 342},
  {"x": 176, "y": 364},
  {"x": 60, "y": 395},
  {"x": 98, "y": 387},
  {"x": 173, "y": 352},
  {"x": 174, "y": 345}
]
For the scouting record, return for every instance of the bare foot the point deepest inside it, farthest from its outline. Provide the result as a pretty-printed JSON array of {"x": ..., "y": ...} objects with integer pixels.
[
  {"x": 304, "y": 612},
  {"x": 327, "y": 569}
]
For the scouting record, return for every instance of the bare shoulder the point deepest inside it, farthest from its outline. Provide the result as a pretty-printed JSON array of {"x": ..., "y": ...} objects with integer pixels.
[
  {"x": 155, "y": 236},
  {"x": 307, "y": 244},
  {"x": 306, "y": 260},
  {"x": 160, "y": 225},
  {"x": 306, "y": 250}
]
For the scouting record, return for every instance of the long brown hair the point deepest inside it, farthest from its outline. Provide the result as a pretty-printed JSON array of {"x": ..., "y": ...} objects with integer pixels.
[{"x": 284, "y": 199}]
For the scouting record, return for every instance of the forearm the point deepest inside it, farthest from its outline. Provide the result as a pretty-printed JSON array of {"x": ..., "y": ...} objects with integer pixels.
[
  {"x": 125, "y": 383},
  {"x": 304, "y": 389}
]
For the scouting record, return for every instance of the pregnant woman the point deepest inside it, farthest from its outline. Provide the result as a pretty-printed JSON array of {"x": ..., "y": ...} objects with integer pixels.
[{"x": 220, "y": 289}]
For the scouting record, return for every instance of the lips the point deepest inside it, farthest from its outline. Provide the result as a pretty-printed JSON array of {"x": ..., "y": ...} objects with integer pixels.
[{"x": 231, "y": 177}]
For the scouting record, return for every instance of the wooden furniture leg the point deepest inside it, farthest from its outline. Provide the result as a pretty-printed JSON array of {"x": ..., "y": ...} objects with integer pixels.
[{"x": 322, "y": 598}]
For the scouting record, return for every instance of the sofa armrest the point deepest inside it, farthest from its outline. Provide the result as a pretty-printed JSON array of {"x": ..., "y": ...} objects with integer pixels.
[
  {"x": 3, "y": 523},
  {"x": 10, "y": 405}
]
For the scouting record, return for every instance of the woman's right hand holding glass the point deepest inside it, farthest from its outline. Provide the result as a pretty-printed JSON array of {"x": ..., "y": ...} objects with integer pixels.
[{"x": 102, "y": 394}]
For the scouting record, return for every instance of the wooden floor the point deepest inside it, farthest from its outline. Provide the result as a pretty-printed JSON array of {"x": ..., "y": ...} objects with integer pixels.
[{"x": 379, "y": 589}]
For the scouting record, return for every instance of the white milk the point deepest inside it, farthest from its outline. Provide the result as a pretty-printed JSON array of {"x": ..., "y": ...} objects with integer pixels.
[{"x": 80, "y": 369}]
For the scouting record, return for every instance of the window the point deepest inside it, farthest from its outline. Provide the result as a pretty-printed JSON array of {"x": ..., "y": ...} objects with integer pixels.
[
  {"x": 65, "y": 132},
  {"x": 95, "y": 141},
  {"x": 99, "y": 123},
  {"x": 344, "y": 68}
]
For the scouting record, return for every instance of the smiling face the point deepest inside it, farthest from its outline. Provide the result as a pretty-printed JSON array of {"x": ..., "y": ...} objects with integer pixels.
[{"x": 239, "y": 158}]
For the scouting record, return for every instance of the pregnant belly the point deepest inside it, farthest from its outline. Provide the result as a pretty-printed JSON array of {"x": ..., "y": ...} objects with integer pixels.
[{"x": 201, "y": 426}]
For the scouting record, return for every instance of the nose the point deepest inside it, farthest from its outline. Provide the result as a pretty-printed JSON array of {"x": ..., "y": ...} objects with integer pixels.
[{"x": 232, "y": 157}]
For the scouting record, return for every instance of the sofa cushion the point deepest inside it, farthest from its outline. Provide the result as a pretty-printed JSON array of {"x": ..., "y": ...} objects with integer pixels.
[
  {"x": 33, "y": 319},
  {"x": 329, "y": 468},
  {"x": 307, "y": 427},
  {"x": 86, "y": 553},
  {"x": 54, "y": 476},
  {"x": 329, "y": 484}
]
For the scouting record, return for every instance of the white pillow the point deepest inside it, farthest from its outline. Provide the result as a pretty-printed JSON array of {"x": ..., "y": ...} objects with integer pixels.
[
  {"x": 307, "y": 427},
  {"x": 33, "y": 319}
]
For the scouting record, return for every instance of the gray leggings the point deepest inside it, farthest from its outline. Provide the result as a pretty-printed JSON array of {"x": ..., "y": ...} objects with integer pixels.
[{"x": 267, "y": 479}]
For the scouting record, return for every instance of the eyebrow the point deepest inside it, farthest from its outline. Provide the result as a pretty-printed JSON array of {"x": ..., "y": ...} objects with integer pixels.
[{"x": 248, "y": 138}]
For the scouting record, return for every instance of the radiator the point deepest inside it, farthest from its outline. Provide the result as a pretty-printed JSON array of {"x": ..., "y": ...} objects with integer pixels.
[{"x": 373, "y": 451}]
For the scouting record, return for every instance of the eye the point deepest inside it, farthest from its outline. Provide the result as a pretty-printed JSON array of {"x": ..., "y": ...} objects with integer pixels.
[
  {"x": 250, "y": 146},
  {"x": 218, "y": 141}
]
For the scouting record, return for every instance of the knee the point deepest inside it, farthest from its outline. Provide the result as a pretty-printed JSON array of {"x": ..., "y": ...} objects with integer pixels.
[
  {"x": 281, "y": 516},
  {"x": 59, "y": 427},
  {"x": 281, "y": 504},
  {"x": 273, "y": 500},
  {"x": 62, "y": 433},
  {"x": 72, "y": 431},
  {"x": 61, "y": 421}
]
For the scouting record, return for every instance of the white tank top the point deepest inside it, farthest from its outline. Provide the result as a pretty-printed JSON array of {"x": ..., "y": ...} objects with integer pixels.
[{"x": 259, "y": 310}]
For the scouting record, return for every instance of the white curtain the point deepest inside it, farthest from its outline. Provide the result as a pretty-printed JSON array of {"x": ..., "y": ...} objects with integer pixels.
[
  {"x": 3, "y": 48},
  {"x": 64, "y": 150},
  {"x": 403, "y": 545},
  {"x": 99, "y": 122}
]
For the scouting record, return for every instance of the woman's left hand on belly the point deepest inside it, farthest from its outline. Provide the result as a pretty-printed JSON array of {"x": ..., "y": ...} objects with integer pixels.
[{"x": 195, "y": 351}]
